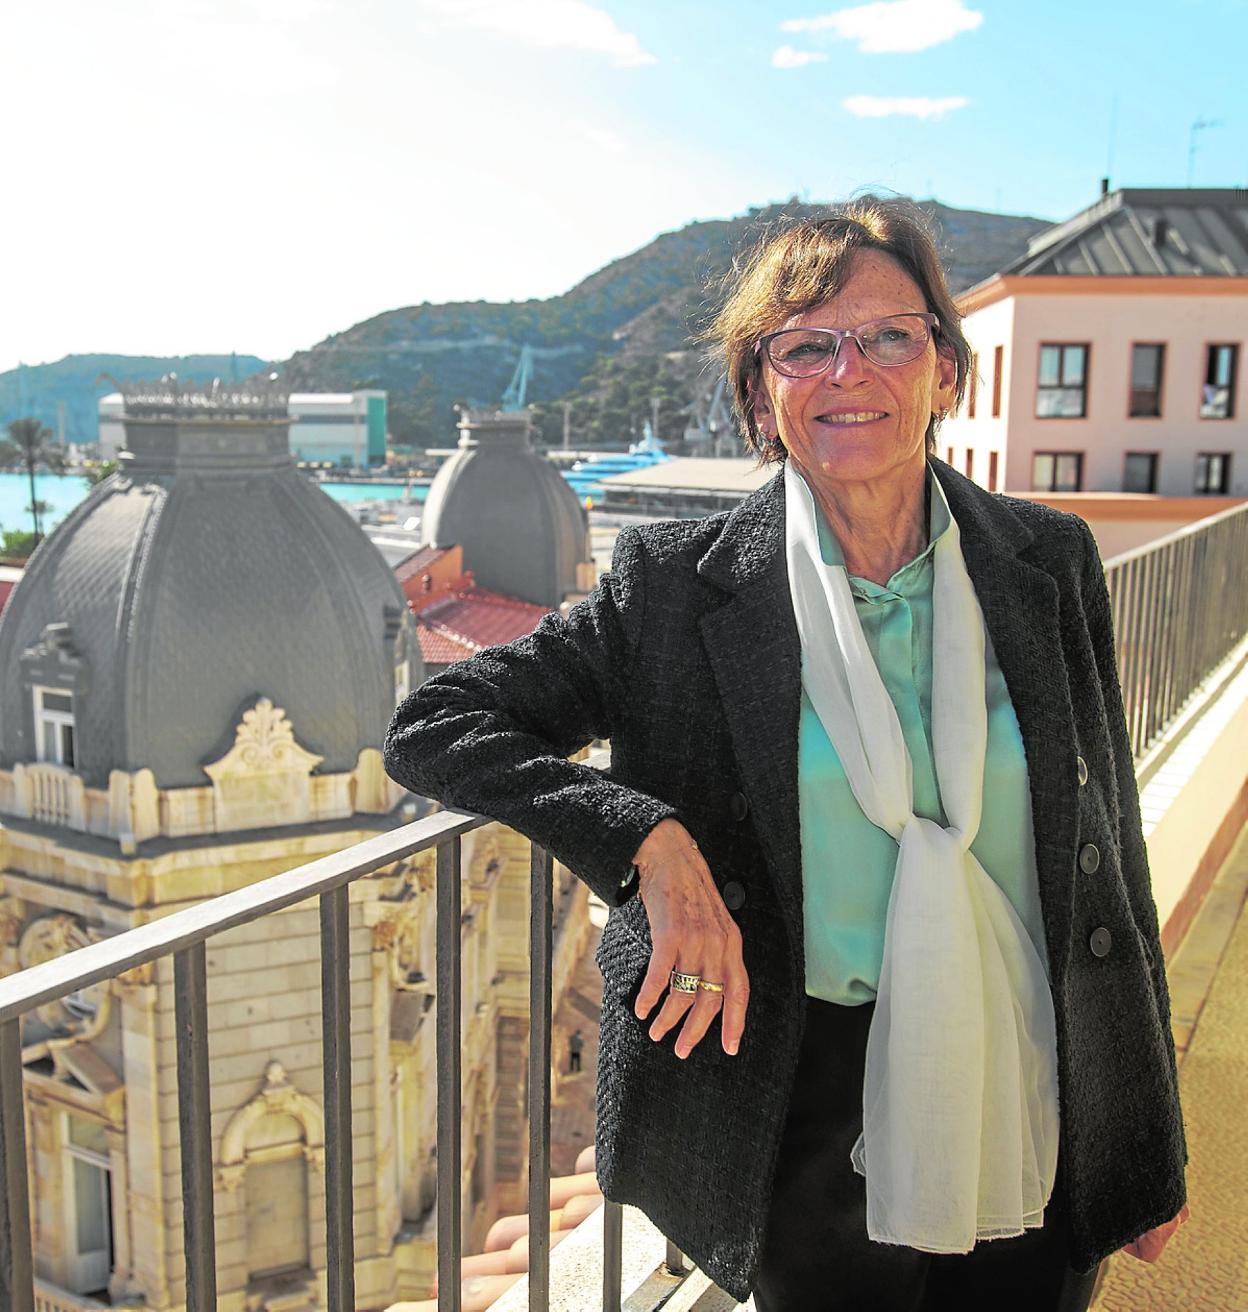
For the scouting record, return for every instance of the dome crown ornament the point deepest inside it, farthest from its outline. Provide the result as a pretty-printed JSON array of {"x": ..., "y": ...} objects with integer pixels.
[{"x": 172, "y": 398}]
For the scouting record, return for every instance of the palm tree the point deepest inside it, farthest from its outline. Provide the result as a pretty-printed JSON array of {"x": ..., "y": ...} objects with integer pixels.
[{"x": 29, "y": 445}]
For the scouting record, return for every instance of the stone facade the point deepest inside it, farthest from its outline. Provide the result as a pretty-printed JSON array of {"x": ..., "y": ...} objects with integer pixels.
[
  {"x": 101, "y": 1067},
  {"x": 195, "y": 675}
]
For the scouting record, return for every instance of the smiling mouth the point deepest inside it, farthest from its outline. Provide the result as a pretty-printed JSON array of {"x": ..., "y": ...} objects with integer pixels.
[{"x": 857, "y": 417}]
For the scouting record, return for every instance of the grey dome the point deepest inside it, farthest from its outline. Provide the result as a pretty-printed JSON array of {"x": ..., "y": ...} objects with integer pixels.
[
  {"x": 206, "y": 574},
  {"x": 519, "y": 522}
]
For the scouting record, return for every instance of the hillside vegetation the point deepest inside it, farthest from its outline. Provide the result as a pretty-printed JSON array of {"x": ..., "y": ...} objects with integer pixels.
[{"x": 607, "y": 346}]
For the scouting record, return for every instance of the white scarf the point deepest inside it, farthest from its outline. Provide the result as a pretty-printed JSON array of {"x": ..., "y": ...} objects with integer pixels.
[{"x": 960, "y": 1117}]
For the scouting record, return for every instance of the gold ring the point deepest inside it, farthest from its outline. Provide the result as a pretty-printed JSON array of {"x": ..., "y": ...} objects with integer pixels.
[
  {"x": 682, "y": 983},
  {"x": 709, "y": 987}
]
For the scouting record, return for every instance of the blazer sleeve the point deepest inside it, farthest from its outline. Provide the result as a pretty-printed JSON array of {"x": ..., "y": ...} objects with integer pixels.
[
  {"x": 492, "y": 734},
  {"x": 1131, "y": 829}
]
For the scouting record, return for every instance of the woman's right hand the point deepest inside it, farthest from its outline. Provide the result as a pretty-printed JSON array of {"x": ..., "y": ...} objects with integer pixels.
[{"x": 693, "y": 933}]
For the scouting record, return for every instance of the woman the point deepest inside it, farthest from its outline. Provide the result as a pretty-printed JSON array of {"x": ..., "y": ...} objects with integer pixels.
[{"x": 872, "y": 808}]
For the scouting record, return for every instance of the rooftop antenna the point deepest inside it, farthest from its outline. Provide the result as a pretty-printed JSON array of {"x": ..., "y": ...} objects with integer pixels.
[{"x": 1198, "y": 125}]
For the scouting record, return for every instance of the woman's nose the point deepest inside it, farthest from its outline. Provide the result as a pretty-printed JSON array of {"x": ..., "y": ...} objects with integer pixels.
[{"x": 847, "y": 366}]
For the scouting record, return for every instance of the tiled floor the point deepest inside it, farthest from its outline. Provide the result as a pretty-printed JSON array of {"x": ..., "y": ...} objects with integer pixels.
[{"x": 1205, "y": 1265}]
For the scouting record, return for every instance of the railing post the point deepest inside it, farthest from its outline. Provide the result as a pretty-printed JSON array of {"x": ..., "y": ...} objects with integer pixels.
[
  {"x": 17, "y": 1274},
  {"x": 612, "y": 1255},
  {"x": 336, "y": 1030},
  {"x": 190, "y": 993},
  {"x": 540, "y": 979},
  {"x": 448, "y": 1070}
]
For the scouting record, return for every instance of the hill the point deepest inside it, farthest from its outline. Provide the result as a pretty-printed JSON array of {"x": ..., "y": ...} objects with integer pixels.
[
  {"x": 607, "y": 346},
  {"x": 39, "y": 390}
]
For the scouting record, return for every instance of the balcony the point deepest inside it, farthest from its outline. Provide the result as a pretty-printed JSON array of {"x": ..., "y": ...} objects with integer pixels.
[{"x": 1182, "y": 616}]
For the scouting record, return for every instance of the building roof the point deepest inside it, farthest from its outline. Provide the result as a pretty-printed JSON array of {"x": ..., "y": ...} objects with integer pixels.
[
  {"x": 700, "y": 474},
  {"x": 418, "y": 562},
  {"x": 204, "y": 575},
  {"x": 453, "y": 627},
  {"x": 517, "y": 518},
  {"x": 1146, "y": 232},
  {"x": 10, "y": 576}
]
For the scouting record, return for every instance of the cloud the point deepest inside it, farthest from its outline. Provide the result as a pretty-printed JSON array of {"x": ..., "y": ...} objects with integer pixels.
[
  {"x": 893, "y": 26},
  {"x": 547, "y": 24},
  {"x": 910, "y": 106},
  {"x": 787, "y": 57}
]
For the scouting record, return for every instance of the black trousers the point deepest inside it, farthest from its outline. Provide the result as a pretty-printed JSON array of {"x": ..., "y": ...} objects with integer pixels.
[{"x": 816, "y": 1255}]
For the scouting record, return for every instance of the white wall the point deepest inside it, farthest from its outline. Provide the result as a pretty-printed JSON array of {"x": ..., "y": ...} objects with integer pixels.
[
  {"x": 987, "y": 329},
  {"x": 1110, "y": 323}
]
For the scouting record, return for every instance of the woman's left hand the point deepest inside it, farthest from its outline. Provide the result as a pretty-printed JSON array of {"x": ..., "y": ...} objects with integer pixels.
[{"x": 1148, "y": 1247}]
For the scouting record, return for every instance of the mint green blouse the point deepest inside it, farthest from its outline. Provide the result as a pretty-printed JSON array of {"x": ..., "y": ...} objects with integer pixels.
[{"x": 848, "y": 863}]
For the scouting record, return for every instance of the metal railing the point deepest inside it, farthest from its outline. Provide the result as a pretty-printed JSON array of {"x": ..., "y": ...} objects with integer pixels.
[
  {"x": 183, "y": 935},
  {"x": 1180, "y": 607}
]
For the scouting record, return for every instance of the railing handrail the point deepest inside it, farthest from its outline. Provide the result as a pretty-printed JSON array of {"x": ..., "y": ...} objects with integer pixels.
[
  {"x": 1176, "y": 535},
  {"x": 26, "y": 989}
]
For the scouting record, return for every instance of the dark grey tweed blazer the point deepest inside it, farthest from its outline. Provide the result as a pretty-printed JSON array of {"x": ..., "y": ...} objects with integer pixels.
[{"x": 686, "y": 656}]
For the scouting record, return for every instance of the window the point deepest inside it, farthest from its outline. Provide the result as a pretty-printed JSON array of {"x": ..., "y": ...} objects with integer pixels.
[
  {"x": 277, "y": 1214},
  {"x": 1061, "y": 391},
  {"x": 998, "y": 369},
  {"x": 992, "y": 471},
  {"x": 1217, "y": 397},
  {"x": 1140, "y": 472},
  {"x": 1213, "y": 472},
  {"x": 948, "y": 455},
  {"x": 1056, "y": 471},
  {"x": 970, "y": 462},
  {"x": 1147, "y": 360},
  {"x": 54, "y": 726},
  {"x": 972, "y": 385},
  {"x": 88, "y": 1197}
]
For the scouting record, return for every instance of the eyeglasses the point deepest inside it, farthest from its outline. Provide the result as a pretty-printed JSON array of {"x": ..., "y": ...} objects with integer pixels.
[{"x": 805, "y": 352}]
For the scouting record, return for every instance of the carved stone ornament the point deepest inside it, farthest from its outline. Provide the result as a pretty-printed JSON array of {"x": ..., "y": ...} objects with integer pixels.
[
  {"x": 82, "y": 1012},
  {"x": 11, "y": 915},
  {"x": 263, "y": 779},
  {"x": 172, "y": 397},
  {"x": 419, "y": 874},
  {"x": 264, "y": 740},
  {"x": 400, "y": 935},
  {"x": 277, "y": 1096}
]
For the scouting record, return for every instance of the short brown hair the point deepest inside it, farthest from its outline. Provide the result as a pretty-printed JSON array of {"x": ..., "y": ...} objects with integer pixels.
[{"x": 806, "y": 264}]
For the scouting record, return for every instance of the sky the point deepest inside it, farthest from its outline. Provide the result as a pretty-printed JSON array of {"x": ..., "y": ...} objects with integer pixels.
[{"x": 252, "y": 175}]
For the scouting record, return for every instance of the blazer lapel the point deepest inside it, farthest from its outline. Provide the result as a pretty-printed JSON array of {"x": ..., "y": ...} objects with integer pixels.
[
  {"x": 1020, "y": 602},
  {"x": 752, "y": 644},
  {"x": 754, "y": 651}
]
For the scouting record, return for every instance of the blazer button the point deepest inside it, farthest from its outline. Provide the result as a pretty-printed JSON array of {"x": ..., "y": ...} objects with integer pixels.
[
  {"x": 1089, "y": 858},
  {"x": 739, "y": 805},
  {"x": 1081, "y": 767},
  {"x": 734, "y": 895},
  {"x": 1100, "y": 942}
]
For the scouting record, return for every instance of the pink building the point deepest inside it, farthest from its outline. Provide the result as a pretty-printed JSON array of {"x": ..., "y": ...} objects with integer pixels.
[{"x": 1109, "y": 357}]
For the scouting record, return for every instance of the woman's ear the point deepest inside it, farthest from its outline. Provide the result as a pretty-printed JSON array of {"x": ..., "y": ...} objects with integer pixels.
[
  {"x": 761, "y": 409},
  {"x": 945, "y": 383}
]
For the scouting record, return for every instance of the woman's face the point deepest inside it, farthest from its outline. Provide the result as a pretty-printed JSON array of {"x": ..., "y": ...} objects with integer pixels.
[{"x": 858, "y": 421}]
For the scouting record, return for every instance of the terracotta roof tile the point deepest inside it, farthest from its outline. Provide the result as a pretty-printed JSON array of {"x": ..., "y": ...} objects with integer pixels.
[
  {"x": 418, "y": 562},
  {"x": 480, "y": 618},
  {"x": 439, "y": 648}
]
